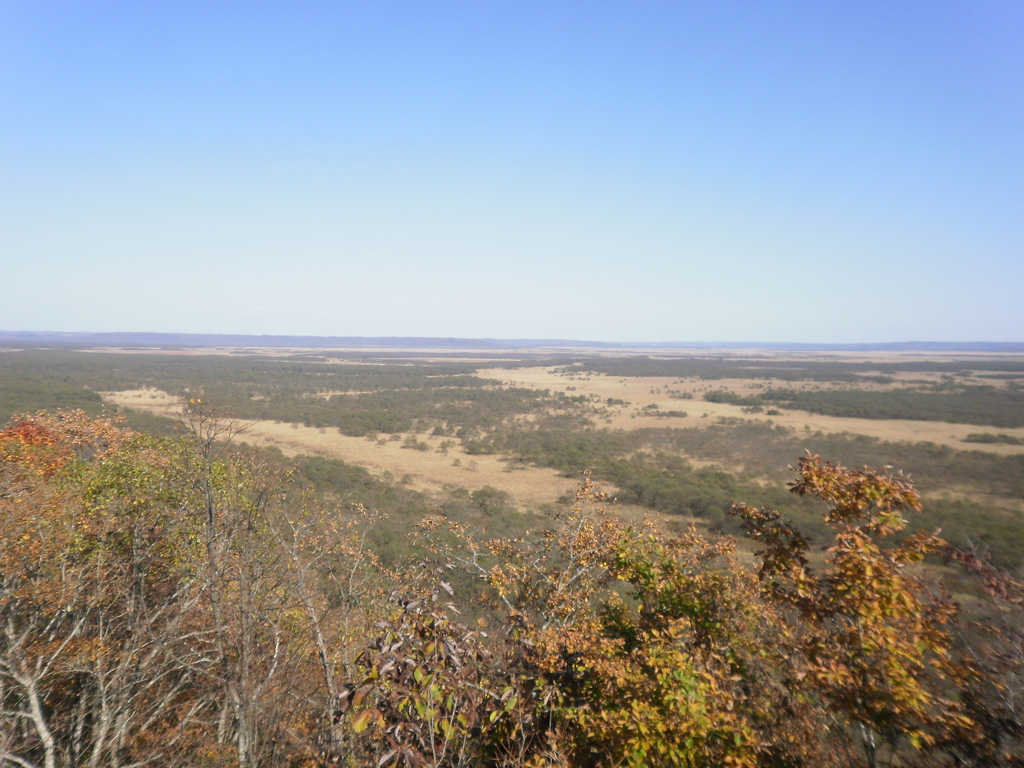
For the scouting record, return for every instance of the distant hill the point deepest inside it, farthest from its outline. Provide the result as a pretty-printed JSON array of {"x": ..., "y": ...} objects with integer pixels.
[
  {"x": 238, "y": 340},
  {"x": 51, "y": 338}
]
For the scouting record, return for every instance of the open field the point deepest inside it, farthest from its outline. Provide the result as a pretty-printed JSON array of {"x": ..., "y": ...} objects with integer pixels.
[
  {"x": 644, "y": 391},
  {"x": 428, "y": 470},
  {"x": 438, "y": 422}
]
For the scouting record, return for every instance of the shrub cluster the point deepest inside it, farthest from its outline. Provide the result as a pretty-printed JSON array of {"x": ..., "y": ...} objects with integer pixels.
[
  {"x": 173, "y": 602},
  {"x": 993, "y": 406}
]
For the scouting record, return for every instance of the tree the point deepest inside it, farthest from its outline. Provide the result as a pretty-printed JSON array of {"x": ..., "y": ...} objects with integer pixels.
[
  {"x": 434, "y": 693},
  {"x": 168, "y": 602},
  {"x": 991, "y": 687},
  {"x": 626, "y": 646},
  {"x": 874, "y": 636},
  {"x": 690, "y": 667},
  {"x": 174, "y": 602},
  {"x": 91, "y": 597},
  {"x": 275, "y": 607}
]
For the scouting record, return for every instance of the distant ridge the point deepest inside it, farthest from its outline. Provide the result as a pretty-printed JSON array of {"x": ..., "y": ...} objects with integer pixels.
[
  {"x": 42, "y": 338},
  {"x": 235, "y": 340}
]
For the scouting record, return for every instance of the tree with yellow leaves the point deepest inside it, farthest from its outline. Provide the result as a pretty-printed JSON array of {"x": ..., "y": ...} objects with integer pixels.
[{"x": 874, "y": 635}]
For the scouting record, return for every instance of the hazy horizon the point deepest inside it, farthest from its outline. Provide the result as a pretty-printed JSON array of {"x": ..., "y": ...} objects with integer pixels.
[
  {"x": 147, "y": 340},
  {"x": 597, "y": 171}
]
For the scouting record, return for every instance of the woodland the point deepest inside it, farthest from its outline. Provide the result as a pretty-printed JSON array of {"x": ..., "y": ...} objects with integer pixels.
[{"x": 171, "y": 595}]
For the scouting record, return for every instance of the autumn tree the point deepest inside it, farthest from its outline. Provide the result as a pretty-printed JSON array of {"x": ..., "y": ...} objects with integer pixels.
[
  {"x": 174, "y": 602},
  {"x": 690, "y": 666},
  {"x": 543, "y": 580},
  {"x": 991, "y": 686},
  {"x": 337, "y": 586},
  {"x": 874, "y": 635},
  {"x": 434, "y": 692},
  {"x": 91, "y": 597},
  {"x": 626, "y": 646},
  {"x": 280, "y": 600},
  {"x": 167, "y": 602}
]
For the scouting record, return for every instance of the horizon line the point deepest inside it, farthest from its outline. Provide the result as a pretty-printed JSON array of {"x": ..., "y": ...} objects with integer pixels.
[{"x": 312, "y": 341}]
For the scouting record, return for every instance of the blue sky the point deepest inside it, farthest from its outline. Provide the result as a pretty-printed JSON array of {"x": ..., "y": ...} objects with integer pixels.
[{"x": 809, "y": 172}]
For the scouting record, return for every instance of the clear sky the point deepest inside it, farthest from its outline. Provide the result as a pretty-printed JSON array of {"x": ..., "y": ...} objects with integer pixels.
[{"x": 645, "y": 171}]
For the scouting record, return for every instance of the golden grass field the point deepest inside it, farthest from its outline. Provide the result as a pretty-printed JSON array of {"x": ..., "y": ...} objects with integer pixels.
[
  {"x": 642, "y": 391},
  {"x": 425, "y": 470},
  {"x": 531, "y": 486}
]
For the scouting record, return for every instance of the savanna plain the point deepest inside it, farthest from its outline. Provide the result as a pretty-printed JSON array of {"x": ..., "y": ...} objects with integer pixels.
[{"x": 248, "y": 556}]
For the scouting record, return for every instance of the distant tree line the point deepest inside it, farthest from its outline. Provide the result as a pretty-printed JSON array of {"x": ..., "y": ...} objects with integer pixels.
[{"x": 993, "y": 406}]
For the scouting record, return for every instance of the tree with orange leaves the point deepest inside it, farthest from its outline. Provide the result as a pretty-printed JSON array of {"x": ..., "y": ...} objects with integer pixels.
[
  {"x": 88, "y": 600},
  {"x": 162, "y": 602},
  {"x": 628, "y": 646},
  {"x": 874, "y": 636}
]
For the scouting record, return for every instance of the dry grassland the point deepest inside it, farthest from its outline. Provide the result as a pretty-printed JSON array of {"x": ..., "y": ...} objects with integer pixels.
[
  {"x": 638, "y": 392},
  {"x": 416, "y": 354},
  {"x": 531, "y": 486},
  {"x": 425, "y": 470}
]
